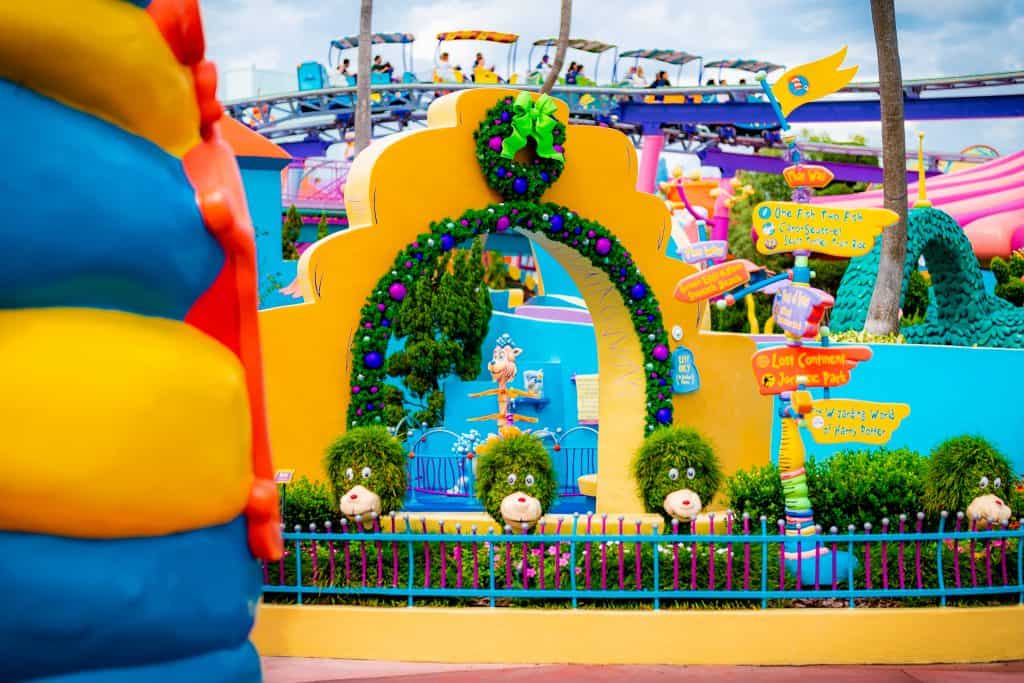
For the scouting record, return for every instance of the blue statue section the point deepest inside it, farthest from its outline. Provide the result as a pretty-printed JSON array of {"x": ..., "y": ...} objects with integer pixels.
[
  {"x": 118, "y": 180},
  {"x": 162, "y": 603}
]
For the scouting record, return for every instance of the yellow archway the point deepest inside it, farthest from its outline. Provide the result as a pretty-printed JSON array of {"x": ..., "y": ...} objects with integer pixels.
[{"x": 400, "y": 184}]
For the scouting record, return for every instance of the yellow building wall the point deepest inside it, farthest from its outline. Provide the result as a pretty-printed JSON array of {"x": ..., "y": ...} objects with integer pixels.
[{"x": 402, "y": 183}]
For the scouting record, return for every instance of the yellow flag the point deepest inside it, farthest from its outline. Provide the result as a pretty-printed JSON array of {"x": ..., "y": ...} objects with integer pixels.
[{"x": 808, "y": 82}]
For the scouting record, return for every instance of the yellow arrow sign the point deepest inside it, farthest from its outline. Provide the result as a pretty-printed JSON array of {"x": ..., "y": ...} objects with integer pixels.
[
  {"x": 787, "y": 226},
  {"x": 841, "y": 420}
]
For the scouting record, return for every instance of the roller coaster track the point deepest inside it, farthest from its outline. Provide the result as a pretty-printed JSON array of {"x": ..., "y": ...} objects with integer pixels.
[{"x": 327, "y": 114}]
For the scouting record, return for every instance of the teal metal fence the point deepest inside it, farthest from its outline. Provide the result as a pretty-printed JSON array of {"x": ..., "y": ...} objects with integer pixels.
[{"x": 599, "y": 560}]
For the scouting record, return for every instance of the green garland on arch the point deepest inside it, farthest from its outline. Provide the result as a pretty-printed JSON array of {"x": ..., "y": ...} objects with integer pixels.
[{"x": 589, "y": 238}]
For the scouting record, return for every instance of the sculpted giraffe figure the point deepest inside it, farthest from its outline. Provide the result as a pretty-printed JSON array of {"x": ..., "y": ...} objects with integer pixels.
[{"x": 503, "y": 369}]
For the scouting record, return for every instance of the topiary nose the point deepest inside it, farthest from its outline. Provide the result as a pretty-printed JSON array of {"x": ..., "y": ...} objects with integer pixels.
[
  {"x": 686, "y": 502},
  {"x": 354, "y": 496},
  {"x": 998, "y": 502},
  {"x": 522, "y": 500}
]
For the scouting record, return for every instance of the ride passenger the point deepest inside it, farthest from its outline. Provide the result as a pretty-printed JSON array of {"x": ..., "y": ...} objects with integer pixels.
[
  {"x": 570, "y": 75},
  {"x": 636, "y": 77}
]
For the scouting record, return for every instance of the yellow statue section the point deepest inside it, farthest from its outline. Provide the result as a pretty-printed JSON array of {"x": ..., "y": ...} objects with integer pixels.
[
  {"x": 105, "y": 58},
  {"x": 119, "y": 425},
  {"x": 396, "y": 188}
]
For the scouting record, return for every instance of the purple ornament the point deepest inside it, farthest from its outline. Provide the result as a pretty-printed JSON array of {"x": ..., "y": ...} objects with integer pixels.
[
  {"x": 359, "y": 411},
  {"x": 368, "y": 325},
  {"x": 638, "y": 291},
  {"x": 356, "y": 389},
  {"x": 520, "y": 185},
  {"x": 381, "y": 307},
  {"x": 408, "y": 264},
  {"x": 503, "y": 224},
  {"x": 374, "y": 390},
  {"x": 373, "y": 360},
  {"x": 557, "y": 222},
  {"x": 660, "y": 352},
  {"x": 396, "y": 291},
  {"x": 447, "y": 242},
  {"x": 661, "y": 397},
  {"x": 590, "y": 234},
  {"x": 664, "y": 415},
  {"x": 603, "y": 246},
  {"x": 558, "y": 148},
  {"x": 495, "y": 143}
]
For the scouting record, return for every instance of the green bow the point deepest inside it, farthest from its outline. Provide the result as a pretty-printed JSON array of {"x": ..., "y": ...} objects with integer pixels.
[{"x": 532, "y": 119}]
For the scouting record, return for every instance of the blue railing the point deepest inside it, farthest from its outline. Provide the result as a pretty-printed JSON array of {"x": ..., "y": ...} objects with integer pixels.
[{"x": 601, "y": 560}]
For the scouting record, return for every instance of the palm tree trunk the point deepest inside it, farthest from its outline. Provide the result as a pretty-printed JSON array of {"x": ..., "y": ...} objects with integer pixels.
[
  {"x": 560, "y": 48},
  {"x": 362, "y": 123},
  {"x": 883, "y": 313}
]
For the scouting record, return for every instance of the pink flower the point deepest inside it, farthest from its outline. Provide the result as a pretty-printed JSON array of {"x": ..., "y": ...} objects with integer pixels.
[
  {"x": 552, "y": 550},
  {"x": 535, "y": 552},
  {"x": 563, "y": 560}
]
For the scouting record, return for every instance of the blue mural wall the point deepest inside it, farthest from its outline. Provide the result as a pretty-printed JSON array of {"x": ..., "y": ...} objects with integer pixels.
[{"x": 950, "y": 390}]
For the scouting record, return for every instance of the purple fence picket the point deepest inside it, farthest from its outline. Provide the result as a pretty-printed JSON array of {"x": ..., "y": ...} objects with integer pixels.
[
  {"x": 588, "y": 551},
  {"x": 508, "y": 559},
  {"x": 348, "y": 568},
  {"x": 604, "y": 554},
  {"x": 543, "y": 558},
  {"x": 728, "y": 552},
  {"x": 956, "y": 550},
  {"x": 867, "y": 558},
  {"x": 885, "y": 556},
  {"x": 639, "y": 546},
  {"x": 900, "y": 551},
  {"x": 394, "y": 555},
  {"x": 693, "y": 556},
  {"x": 622, "y": 558},
  {"x": 458, "y": 558},
  {"x": 782, "y": 556},
  {"x": 476, "y": 561},
  {"x": 971, "y": 557},
  {"x": 380, "y": 550},
  {"x": 426, "y": 555},
  {"x": 1004, "y": 544},
  {"x": 835, "y": 559},
  {"x": 746, "y": 553},
  {"x": 675, "y": 556},
  {"x": 711, "y": 553},
  {"x": 444, "y": 557}
]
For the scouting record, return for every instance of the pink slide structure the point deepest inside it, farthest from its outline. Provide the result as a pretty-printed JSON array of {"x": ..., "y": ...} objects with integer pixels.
[{"x": 987, "y": 201}]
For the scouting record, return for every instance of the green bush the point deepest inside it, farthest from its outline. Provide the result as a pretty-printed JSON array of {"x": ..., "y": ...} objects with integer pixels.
[
  {"x": 371, "y": 457},
  {"x": 1008, "y": 276},
  {"x": 851, "y": 487},
  {"x": 757, "y": 491},
  {"x": 674, "y": 458},
  {"x": 309, "y": 502},
  {"x": 955, "y": 472},
  {"x": 514, "y": 462},
  {"x": 858, "y": 486}
]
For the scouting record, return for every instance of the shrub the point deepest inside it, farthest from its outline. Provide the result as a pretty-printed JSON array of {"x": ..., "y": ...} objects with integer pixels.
[
  {"x": 851, "y": 487},
  {"x": 519, "y": 454},
  {"x": 1008, "y": 274},
  {"x": 373, "y": 448},
  {"x": 681, "y": 451},
  {"x": 757, "y": 492},
  {"x": 309, "y": 502},
  {"x": 955, "y": 472},
  {"x": 858, "y": 486}
]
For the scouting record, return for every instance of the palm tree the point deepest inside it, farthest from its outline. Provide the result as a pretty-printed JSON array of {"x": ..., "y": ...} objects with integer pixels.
[
  {"x": 363, "y": 77},
  {"x": 560, "y": 47},
  {"x": 883, "y": 313}
]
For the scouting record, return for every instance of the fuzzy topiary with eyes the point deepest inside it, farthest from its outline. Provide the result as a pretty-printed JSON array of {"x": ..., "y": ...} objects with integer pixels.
[
  {"x": 967, "y": 474},
  {"x": 515, "y": 480},
  {"x": 366, "y": 469},
  {"x": 677, "y": 473}
]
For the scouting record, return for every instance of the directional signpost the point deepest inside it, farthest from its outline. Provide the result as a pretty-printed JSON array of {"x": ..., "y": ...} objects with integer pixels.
[
  {"x": 785, "y": 368},
  {"x": 712, "y": 282},
  {"x": 783, "y": 227}
]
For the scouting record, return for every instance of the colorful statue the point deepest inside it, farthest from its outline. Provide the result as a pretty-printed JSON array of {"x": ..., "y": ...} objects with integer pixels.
[
  {"x": 503, "y": 370},
  {"x": 967, "y": 474}
]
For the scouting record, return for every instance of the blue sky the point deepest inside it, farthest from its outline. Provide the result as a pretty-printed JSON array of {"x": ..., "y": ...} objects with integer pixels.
[{"x": 937, "y": 38}]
